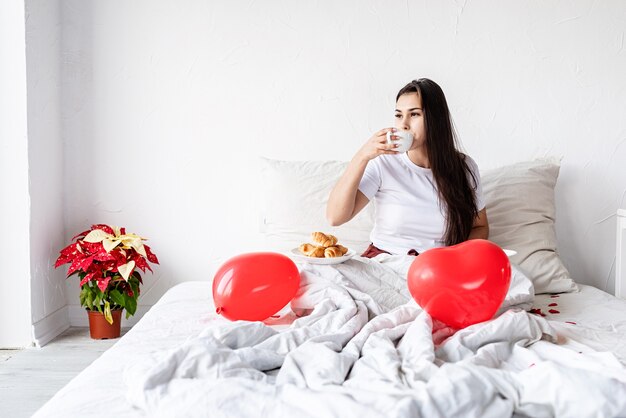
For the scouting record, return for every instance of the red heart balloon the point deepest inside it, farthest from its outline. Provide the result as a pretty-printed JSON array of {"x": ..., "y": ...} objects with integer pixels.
[
  {"x": 254, "y": 286},
  {"x": 462, "y": 284}
]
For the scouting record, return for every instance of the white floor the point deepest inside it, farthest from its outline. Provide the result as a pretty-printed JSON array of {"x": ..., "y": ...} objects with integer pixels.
[{"x": 29, "y": 377}]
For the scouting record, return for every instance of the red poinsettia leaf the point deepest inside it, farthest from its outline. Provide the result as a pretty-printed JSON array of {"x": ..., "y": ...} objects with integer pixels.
[
  {"x": 82, "y": 234},
  {"x": 105, "y": 228},
  {"x": 553, "y": 304},
  {"x": 68, "y": 254},
  {"x": 102, "y": 254},
  {"x": 64, "y": 254},
  {"x": 104, "y": 282},
  {"x": 119, "y": 257},
  {"x": 130, "y": 254},
  {"x": 84, "y": 265},
  {"x": 140, "y": 262},
  {"x": 93, "y": 247},
  {"x": 554, "y": 311},
  {"x": 69, "y": 249},
  {"x": 75, "y": 266},
  {"x": 63, "y": 259},
  {"x": 87, "y": 277},
  {"x": 103, "y": 257},
  {"x": 151, "y": 257}
]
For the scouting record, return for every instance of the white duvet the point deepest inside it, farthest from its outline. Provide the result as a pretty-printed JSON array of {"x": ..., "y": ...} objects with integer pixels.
[{"x": 361, "y": 347}]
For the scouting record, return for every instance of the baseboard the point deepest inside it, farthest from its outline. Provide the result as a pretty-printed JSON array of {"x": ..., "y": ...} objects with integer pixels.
[
  {"x": 78, "y": 316},
  {"x": 50, "y": 327}
]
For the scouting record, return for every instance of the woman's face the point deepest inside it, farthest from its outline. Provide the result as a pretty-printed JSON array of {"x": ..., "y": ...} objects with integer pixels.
[{"x": 410, "y": 117}]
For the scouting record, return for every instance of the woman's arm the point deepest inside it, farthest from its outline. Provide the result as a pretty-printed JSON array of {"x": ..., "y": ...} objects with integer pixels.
[
  {"x": 480, "y": 229},
  {"x": 345, "y": 200}
]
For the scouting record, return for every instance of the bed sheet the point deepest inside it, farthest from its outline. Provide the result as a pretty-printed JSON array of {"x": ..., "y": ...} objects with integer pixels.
[
  {"x": 589, "y": 316},
  {"x": 586, "y": 320}
]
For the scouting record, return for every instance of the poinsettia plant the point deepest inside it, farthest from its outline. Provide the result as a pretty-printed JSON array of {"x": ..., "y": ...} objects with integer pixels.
[{"x": 107, "y": 260}]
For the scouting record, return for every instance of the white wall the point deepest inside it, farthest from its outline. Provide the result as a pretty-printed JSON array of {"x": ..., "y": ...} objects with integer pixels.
[
  {"x": 15, "y": 308},
  {"x": 167, "y": 105},
  {"x": 45, "y": 154}
]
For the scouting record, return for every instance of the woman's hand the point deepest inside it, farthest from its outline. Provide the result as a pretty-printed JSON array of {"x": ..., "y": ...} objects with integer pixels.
[{"x": 377, "y": 145}]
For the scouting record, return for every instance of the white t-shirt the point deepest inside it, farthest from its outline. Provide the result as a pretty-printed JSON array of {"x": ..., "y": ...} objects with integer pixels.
[{"x": 408, "y": 215}]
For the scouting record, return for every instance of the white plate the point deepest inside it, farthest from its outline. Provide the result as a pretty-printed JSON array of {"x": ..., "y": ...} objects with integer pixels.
[
  {"x": 298, "y": 256},
  {"x": 509, "y": 253}
]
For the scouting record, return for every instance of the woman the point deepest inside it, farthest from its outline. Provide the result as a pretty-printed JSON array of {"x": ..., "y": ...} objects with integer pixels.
[{"x": 428, "y": 197}]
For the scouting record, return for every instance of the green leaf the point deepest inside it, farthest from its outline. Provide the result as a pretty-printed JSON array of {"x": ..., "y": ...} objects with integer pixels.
[
  {"x": 117, "y": 298},
  {"x": 107, "y": 312},
  {"x": 98, "y": 301},
  {"x": 134, "y": 286},
  {"x": 89, "y": 299},
  {"x": 130, "y": 304},
  {"x": 83, "y": 296}
]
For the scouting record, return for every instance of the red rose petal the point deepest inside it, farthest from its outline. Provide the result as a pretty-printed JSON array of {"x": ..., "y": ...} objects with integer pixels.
[{"x": 553, "y": 311}]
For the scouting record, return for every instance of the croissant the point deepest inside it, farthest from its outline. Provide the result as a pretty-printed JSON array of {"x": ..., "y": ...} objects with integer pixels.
[
  {"x": 323, "y": 240},
  {"x": 342, "y": 249},
  {"x": 332, "y": 252},
  {"x": 311, "y": 250}
]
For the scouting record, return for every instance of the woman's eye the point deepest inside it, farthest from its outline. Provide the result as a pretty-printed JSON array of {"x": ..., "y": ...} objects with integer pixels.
[
  {"x": 415, "y": 114},
  {"x": 398, "y": 116}
]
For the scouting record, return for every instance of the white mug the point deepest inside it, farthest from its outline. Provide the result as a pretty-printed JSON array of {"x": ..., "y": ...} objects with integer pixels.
[{"x": 404, "y": 141}]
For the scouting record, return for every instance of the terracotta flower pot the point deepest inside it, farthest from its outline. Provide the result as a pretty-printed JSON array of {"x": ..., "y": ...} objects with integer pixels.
[{"x": 100, "y": 329}]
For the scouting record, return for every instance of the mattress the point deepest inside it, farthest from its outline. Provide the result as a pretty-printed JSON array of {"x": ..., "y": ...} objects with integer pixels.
[
  {"x": 183, "y": 311},
  {"x": 587, "y": 320}
]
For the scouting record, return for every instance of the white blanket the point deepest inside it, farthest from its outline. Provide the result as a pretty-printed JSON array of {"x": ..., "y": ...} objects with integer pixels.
[{"x": 364, "y": 348}]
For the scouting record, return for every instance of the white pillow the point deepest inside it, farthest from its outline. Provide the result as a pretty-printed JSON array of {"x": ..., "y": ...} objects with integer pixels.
[
  {"x": 294, "y": 196},
  {"x": 521, "y": 213}
]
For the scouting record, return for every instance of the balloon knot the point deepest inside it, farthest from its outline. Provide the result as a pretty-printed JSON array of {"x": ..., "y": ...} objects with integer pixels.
[{"x": 218, "y": 310}]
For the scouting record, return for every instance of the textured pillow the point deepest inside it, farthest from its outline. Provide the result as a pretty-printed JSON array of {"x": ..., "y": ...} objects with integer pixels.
[
  {"x": 521, "y": 213},
  {"x": 294, "y": 196}
]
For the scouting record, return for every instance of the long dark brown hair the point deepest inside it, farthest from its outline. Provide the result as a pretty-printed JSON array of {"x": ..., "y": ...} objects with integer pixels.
[{"x": 447, "y": 163}]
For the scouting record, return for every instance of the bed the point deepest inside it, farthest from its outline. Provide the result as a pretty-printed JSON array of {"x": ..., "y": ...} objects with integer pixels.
[{"x": 353, "y": 343}]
